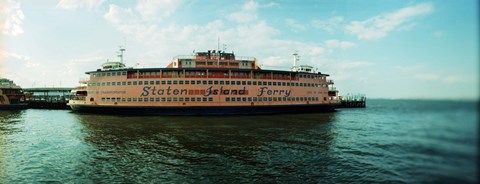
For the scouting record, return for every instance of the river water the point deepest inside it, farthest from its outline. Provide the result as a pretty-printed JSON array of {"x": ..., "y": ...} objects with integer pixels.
[{"x": 400, "y": 141}]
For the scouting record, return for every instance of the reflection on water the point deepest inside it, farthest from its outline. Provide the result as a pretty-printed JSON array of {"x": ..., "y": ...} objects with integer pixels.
[
  {"x": 392, "y": 141},
  {"x": 7, "y": 120},
  {"x": 187, "y": 149}
]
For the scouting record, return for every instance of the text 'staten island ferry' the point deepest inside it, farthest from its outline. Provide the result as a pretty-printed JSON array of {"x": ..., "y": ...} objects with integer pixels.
[{"x": 204, "y": 83}]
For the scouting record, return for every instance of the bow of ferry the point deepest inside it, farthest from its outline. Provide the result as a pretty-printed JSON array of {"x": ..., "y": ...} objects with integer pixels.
[{"x": 204, "y": 83}]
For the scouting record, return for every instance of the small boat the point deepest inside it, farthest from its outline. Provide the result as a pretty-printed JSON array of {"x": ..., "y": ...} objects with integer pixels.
[{"x": 11, "y": 96}]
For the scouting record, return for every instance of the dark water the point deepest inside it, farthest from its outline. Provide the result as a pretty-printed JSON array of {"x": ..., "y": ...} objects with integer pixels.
[{"x": 396, "y": 141}]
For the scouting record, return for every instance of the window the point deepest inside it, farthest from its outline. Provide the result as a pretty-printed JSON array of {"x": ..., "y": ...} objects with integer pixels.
[
  {"x": 124, "y": 83},
  {"x": 187, "y": 82},
  {"x": 164, "y": 82},
  {"x": 169, "y": 82},
  {"x": 151, "y": 99},
  {"x": 157, "y": 82},
  {"x": 180, "y": 82},
  {"x": 140, "y": 99},
  {"x": 227, "y": 99},
  {"x": 129, "y": 99},
  {"x": 254, "y": 83},
  {"x": 175, "y": 82},
  {"x": 140, "y": 82}
]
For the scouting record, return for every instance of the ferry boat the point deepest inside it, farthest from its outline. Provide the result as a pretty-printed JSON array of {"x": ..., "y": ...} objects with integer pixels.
[
  {"x": 11, "y": 96},
  {"x": 204, "y": 83}
]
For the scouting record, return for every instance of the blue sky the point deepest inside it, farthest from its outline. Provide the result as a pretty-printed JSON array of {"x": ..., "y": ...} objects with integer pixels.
[{"x": 394, "y": 49}]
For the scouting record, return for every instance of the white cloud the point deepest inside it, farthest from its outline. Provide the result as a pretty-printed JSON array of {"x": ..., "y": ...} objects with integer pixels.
[
  {"x": 379, "y": 26},
  {"x": 5, "y": 54},
  {"x": 438, "y": 34},
  {"x": 294, "y": 25},
  {"x": 454, "y": 79},
  {"x": 247, "y": 36},
  {"x": 331, "y": 25},
  {"x": 152, "y": 9},
  {"x": 11, "y": 17},
  {"x": 247, "y": 14},
  {"x": 331, "y": 44},
  {"x": 426, "y": 76},
  {"x": 76, "y": 4},
  {"x": 411, "y": 69}
]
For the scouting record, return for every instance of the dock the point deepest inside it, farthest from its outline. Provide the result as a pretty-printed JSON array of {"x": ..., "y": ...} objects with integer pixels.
[
  {"x": 353, "y": 101},
  {"x": 47, "y": 98}
]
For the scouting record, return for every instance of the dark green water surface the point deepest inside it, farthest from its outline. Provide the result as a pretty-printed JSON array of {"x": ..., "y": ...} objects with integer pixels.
[{"x": 402, "y": 141}]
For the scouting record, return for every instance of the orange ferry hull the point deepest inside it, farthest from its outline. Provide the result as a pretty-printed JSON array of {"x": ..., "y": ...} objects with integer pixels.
[{"x": 205, "y": 110}]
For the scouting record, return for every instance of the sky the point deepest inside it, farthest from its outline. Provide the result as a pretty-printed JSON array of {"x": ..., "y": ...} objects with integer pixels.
[{"x": 394, "y": 49}]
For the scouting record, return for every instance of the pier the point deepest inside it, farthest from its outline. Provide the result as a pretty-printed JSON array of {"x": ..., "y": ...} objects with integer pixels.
[
  {"x": 47, "y": 98},
  {"x": 353, "y": 101}
]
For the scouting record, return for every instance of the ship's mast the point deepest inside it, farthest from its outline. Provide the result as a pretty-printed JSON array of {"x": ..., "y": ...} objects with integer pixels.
[
  {"x": 120, "y": 53},
  {"x": 296, "y": 58}
]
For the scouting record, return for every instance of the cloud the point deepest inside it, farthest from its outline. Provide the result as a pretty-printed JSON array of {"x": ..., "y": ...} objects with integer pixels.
[
  {"x": 426, "y": 76},
  {"x": 246, "y": 15},
  {"x": 76, "y": 4},
  {"x": 454, "y": 79},
  {"x": 379, "y": 26},
  {"x": 11, "y": 17},
  {"x": 5, "y": 54},
  {"x": 330, "y": 26},
  {"x": 243, "y": 31},
  {"x": 294, "y": 25},
  {"x": 347, "y": 70},
  {"x": 152, "y": 9},
  {"x": 332, "y": 44}
]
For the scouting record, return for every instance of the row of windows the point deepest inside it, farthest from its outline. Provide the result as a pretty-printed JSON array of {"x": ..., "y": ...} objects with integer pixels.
[
  {"x": 202, "y": 73},
  {"x": 205, "y": 82},
  {"x": 168, "y": 99},
  {"x": 103, "y": 74},
  {"x": 265, "y": 99},
  {"x": 210, "y": 99}
]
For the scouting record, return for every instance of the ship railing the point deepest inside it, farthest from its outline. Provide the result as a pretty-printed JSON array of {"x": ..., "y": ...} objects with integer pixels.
[
  {"x": 332, "y": 89},
  {"x": 330, "y": 81}
]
